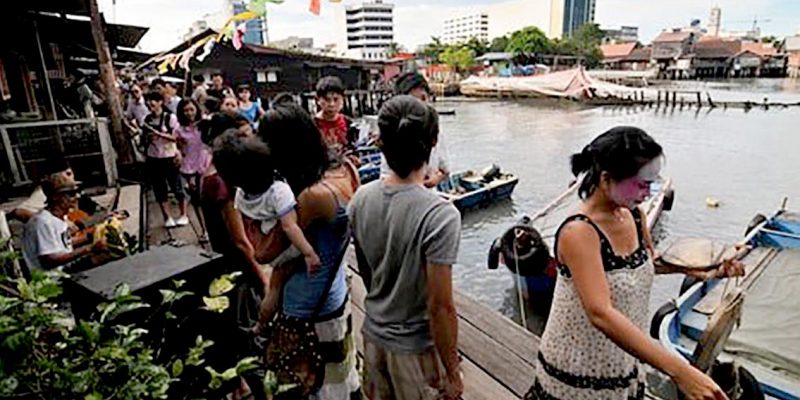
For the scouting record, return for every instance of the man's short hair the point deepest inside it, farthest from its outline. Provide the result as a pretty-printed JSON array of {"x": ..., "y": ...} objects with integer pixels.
[{"x": 330, "y": 85}]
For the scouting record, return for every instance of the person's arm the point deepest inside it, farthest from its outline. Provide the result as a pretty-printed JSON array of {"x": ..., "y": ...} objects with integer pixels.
[
  {"x": 295, "y": 235},
  {"x": 444, "y": 323},
  {"x": 235, "y": 225},
  {"x": 434, "y": 180},
  {"x": 54, "y": 260},
  {"x": 579, "y": 249}
]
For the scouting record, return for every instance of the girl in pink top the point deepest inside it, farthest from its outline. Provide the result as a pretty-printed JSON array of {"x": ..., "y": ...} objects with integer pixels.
[{"x": 196, "y": 157}]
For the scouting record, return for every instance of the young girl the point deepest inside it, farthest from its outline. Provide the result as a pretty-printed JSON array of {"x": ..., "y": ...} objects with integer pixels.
[
  {"x": 163, "y": 158},
  {"x": 251, "y": 110},
  {"x": 264, "y": 201},
  {"x": 595, "y": 338},
  {"x": 196, "y": 157}
]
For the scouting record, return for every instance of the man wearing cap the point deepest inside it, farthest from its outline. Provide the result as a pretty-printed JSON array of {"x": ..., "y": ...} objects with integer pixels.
[
  {"x": 46, "y": 240},
  {"x": 414, "y": 84}
]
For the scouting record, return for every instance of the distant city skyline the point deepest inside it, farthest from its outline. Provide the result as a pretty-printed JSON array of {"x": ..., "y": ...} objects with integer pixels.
[{"x": 417, "y": 20}]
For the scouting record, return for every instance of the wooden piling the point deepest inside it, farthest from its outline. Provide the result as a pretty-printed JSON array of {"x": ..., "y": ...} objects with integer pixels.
[
  {"x": 674, "y": 98},
  {"x": 658, "y": 99},
  {"x": 699, "y": 100}
]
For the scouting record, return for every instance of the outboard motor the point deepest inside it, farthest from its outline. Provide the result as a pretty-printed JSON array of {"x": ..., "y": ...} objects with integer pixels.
[
  {"x": 491, "y": 172},
  {"x": 521, "y": 246}
]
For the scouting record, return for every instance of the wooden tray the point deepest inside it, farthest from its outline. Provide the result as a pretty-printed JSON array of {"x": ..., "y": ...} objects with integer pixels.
[{"x": 697, "y": 254}]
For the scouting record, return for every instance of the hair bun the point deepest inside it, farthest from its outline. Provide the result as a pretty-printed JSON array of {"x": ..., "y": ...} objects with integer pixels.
[{"x": 582, "y": 162}]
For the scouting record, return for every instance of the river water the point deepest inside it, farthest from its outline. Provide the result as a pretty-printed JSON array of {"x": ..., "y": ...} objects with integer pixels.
[{"x": 749, "y": 161}]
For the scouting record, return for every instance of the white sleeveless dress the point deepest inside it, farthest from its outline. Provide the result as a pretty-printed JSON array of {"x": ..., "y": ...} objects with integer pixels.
[{"x": 576, "y": 361}]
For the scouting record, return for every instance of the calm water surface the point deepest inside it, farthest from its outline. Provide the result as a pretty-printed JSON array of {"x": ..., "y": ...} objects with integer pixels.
[{"x": 749, "y": 161}]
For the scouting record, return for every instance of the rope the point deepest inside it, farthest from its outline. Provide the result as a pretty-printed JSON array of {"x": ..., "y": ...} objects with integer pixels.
[{"x": 523, "y": 315}]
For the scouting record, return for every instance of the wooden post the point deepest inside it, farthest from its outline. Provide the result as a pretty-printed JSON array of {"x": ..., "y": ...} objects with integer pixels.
[
  {"x": 123, "y": 145},
  {"x": 10, "y": 155},
  {"x": 699, "y": 100},
  {"x": 108, "y": 152},
  {"x": 658, "y": 99},
  {"x": 674, "y": 98},
  {"x": 710, "y": 102}
]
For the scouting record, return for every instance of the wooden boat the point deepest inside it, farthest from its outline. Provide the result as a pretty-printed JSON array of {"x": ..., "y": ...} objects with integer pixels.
[
  {"x": 471, "y": 189},
  {"x": 527, "y": 246},
  {"x": 767, "y": 341},
  {"x": 370, "y": 163},
  {"x": 446, "y": 111}
]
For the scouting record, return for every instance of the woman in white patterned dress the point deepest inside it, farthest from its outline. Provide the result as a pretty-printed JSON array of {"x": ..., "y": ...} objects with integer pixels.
[{"x": 595, "y": 337}]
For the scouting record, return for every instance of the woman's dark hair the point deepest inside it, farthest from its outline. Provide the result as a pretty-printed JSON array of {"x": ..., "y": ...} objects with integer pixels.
[
  {"x": 183, "y": 119},
  {"x": 212, "y": 104},
  {"x": 408, "y": 131},
  {"x": 153, "y": 96},
  {"x": 244, "y": 162},
  {"x": 409, "y": 81},
  {"x": 328, "y": 85},
  {"x": 199, "y": 78},
  {"x": 242, "y": 87},
  {"x": 300, "y": 154},
  {"x": 620, "y": 151},
  {"x": 212, "y": 128},
  {"x": 281, "y": 98}
]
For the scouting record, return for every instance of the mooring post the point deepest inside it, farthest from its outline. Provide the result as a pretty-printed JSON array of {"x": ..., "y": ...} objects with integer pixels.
[{"x": 699, "y": 100}]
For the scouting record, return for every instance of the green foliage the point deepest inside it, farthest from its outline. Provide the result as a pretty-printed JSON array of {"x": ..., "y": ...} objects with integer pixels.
[
  {"x": 479, "y": 47},
  {"x": 458, "y": 58},
  {"x": 529, "y": 41},
  {"x": 432, "y": 50},
  {"x": 46, "y": 354},
  {"x": 499, "y": 44}
]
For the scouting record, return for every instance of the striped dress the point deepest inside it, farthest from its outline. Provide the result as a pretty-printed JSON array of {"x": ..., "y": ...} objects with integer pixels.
[{"x": 576, "y": 361}]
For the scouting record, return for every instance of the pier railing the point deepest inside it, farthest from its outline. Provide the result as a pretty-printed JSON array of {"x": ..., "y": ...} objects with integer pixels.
[{"x": 85, "y": 143}]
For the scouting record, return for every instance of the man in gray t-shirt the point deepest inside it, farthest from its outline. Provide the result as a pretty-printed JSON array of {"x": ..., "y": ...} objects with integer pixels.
[{"x": 406, "y": 242}]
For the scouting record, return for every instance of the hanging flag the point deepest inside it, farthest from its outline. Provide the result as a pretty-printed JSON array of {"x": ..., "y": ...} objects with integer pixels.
[
  {"x": 314, "y": 7},
  {"x": 247, "y": 15},
  {"x": 238, "y": 36},
  {"x": 336, "y": 1},
  {"x": 207, "y": 49}
]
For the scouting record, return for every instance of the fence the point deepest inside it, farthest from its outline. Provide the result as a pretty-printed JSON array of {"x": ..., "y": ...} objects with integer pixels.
[{"x": 85, "y": 143}]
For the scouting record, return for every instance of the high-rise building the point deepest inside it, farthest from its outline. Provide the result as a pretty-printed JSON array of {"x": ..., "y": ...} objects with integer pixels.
[
  {"x": 566, "y": 16},
  {"x": 715, "y": 21},
  {"x": 464, "y": 27},
  {"x": 255, "y": 29},
  {"x": 370, "y": 29}
]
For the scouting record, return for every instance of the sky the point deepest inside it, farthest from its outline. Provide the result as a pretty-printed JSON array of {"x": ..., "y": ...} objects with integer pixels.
[{"x": 417, "y": 20}]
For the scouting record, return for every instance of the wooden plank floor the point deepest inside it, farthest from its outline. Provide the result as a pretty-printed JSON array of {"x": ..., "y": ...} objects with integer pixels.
[{"x": 498, "y": 355}]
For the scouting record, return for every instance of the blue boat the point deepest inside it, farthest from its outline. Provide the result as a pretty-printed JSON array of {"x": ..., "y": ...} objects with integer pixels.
[
  {"x": 470, "y": 189},
  {"x": 526, "y": 248},
  {"x": 370, "y": 163},
  {"x": 767, "y": 341}
]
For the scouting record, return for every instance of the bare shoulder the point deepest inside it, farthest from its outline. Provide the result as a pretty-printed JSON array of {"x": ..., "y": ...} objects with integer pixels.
[{"x": 577, "y": 233}]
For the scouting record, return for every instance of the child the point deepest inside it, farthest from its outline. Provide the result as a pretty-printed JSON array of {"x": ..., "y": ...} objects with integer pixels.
[
  {"x": 265, "y": 202},
  {"x": 196, "y": 156},
  {"x": 332, "y": 124}
]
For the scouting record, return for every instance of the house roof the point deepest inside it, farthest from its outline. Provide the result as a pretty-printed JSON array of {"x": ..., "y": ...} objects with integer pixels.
[
  {"x": 672, "y": 36},
  {"x": 495, "y": 57},
  {"x": 716, "y": 49},
  {"x": 792, "y": 43},
  {"x": 643, "y": 54},
  {"x": 611, "y": 51},
  {"x": 762, "y": 49}
]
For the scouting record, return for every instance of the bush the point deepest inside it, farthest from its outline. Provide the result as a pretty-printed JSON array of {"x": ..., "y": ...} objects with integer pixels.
[{"x": 46, "y": 354}]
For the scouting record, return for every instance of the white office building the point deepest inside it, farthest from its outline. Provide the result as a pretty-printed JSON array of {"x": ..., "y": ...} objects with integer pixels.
[
  {"x": 464, "y": 27},
  {"x": 370, "y": 29}
]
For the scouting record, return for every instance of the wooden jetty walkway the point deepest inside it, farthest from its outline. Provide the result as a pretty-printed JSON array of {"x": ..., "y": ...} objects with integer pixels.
[{"x": 497, "y": 354}]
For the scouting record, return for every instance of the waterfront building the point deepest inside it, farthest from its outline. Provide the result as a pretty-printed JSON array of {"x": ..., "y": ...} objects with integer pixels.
[
  {"x": 623, "y": 34},
  {"x": 465, "y": 27},
  {"x": 370, "y": 30}
]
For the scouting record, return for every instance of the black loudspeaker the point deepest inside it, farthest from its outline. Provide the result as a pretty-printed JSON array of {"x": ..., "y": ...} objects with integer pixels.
[{"x": 145, "y": 273}]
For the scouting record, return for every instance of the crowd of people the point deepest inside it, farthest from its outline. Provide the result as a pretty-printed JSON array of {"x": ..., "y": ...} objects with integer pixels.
[{"x": 281, "y": 198}]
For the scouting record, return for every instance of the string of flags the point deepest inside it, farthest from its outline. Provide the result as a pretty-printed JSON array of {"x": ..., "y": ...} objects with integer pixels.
[{"x": 233, "y": 29}]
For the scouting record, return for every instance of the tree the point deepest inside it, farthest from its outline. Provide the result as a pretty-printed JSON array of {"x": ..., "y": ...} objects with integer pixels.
[
  {"x": 479, "y": 47},
  {"x": 585, "y": 42},
  {"x": 433, "y": 50},
  {"x": 392, "y": 50},
  {"x": 528, "y": 40},
  {"x": 458, "y": 57},
  {"x": 499, "y": 44}
]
